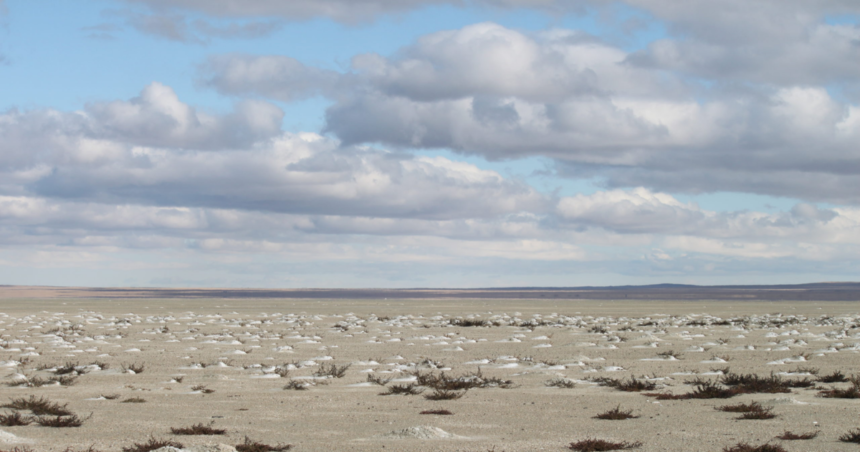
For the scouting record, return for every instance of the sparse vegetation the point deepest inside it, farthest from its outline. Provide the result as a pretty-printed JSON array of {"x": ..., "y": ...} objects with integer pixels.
[
  {"x": 255, "y": 446},
  {"x": 437, "y": 412},
  {"x": 331, "y": 371},
  {"x": 851, "y": 437},
  {"x": 378, "y": 380},
  {"x": 835, "y": 377},
  {"x": 616, "y": 414},
  {"x": 71, "y": 420},
  {"x": 789, "y": 436},
  {"x": 560, "y": 383},
  {"x": 39, "y": 407},
  {"x": 410, "y": 389},
  {"x": 134, "y": 400},
  {"x": 599, "y": 445},
  {"x": 744, "y": 447},
  {"x": 852, "y": 392},
  {"x": 442, "y": 394},
  {"x": 152, "y": 444},
  {"x": 14, "y": 419},
  {"x": 133, "y": 368},
  {"x": 198, "y": 429},
  {"x": 297, "y": 385}
]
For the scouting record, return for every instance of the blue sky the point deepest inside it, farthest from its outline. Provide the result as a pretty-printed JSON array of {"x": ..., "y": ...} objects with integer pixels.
[{"x": 428, "y": 143}]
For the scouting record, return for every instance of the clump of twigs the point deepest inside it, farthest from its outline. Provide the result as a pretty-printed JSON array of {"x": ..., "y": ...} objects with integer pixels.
[
  {"x": 378, "y": 380},
  {"x": 835, "y": 377},
  {"x": 14, "y": 419},
  {"x": 133, "y": 368},
  {"x": 255, "y": 446},
  {"x": 198, "y": 429},
  {"x": 437, "y": 412},
  {"x": 560, "y": 383},
  {"x": 410, "y": 389},
  {"x": 599, "y": 445},
  {"x": 752, "y": 411},
  {"x": 851, "y": 437},
  {"x": 616, "y": 414},
  {"x": 852, "y": 392},
  {"x": 631, "y": 385},
  {"x": 39, "y": 407},
  {"x": 463, "y": 382},
  {"x": 71, "y": 420},
  {"x": 441, "y": 394},
  {"x": 789, "y": 436},
  {"x": 152, "y": 444},
  {"x": 744, "y": 447},
  {"x": 331, "y": 371}
]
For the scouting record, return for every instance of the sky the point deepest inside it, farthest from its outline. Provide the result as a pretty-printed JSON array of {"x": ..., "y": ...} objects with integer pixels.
[{"x": 428, "y": 143}]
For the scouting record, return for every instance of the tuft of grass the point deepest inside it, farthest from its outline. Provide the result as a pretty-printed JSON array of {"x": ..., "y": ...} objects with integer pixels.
[
  {"x": 789, "y": 436},
  {"x": 616, "y": 414},
  {"x": 198, "y": 429},
  {"x": 14, "y": 420},
  {"x": 851, "y": 437},
  {"x": 437, "y": 412},
  {"x": 410, "y": 389},
  {"x": 441, "y": 394},
  {"x": 203, "y": 389},
  {"x": 72, "y": 420},
  {"x": 599, "y": 445},
  {"x": 39, "y": 407},
  {"x": 331, "y": 371},
  {"x": 134, "y": 400},
  {"x": 744, "y": 447},
  {"x": 152, "y": 444},
  {"x": 67, "y": 368},
  {"x": 255, "y": 446},
  {"x": 110, "y": 396},
  {"x": 560, "y": 383}
]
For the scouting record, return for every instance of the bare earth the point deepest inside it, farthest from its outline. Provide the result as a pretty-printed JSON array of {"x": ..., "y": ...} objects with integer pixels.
[{"x": 227, "y": 362}]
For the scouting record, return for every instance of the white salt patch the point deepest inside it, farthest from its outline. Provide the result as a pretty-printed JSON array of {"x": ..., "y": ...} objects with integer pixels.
[{"x": 419, "y": 432}]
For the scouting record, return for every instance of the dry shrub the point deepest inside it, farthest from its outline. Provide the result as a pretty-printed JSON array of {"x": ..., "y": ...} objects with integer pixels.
[
  {"x": 599, "y": 445},
  {"x": 616, "y": 414},
  {"x": 152, "y": 444},
  {"x": 198, "y": 429},
  {"x": 255, "y": 446}
]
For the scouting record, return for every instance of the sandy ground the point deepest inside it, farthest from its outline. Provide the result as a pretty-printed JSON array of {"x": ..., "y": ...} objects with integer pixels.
[{"x": 218, "y": 361}]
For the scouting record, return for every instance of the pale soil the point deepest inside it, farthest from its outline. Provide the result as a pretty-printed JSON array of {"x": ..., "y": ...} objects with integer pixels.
[{"x": 189, "y": 337}]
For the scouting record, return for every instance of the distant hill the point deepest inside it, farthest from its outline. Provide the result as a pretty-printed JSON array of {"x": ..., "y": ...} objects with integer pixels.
[{"x": 829, "y": 291}]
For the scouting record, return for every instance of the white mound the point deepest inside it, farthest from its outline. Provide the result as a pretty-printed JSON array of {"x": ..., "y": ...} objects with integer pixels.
[
  {"x": 206, "y": 448},
  {"x": 785, "y": 401},
  {"x": 419, "y": 432},
  {"x": 7, "y": 437}
]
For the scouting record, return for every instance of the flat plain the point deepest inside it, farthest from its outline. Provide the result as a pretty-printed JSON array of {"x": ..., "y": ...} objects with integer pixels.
[{"x": 516, "y": 374}]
